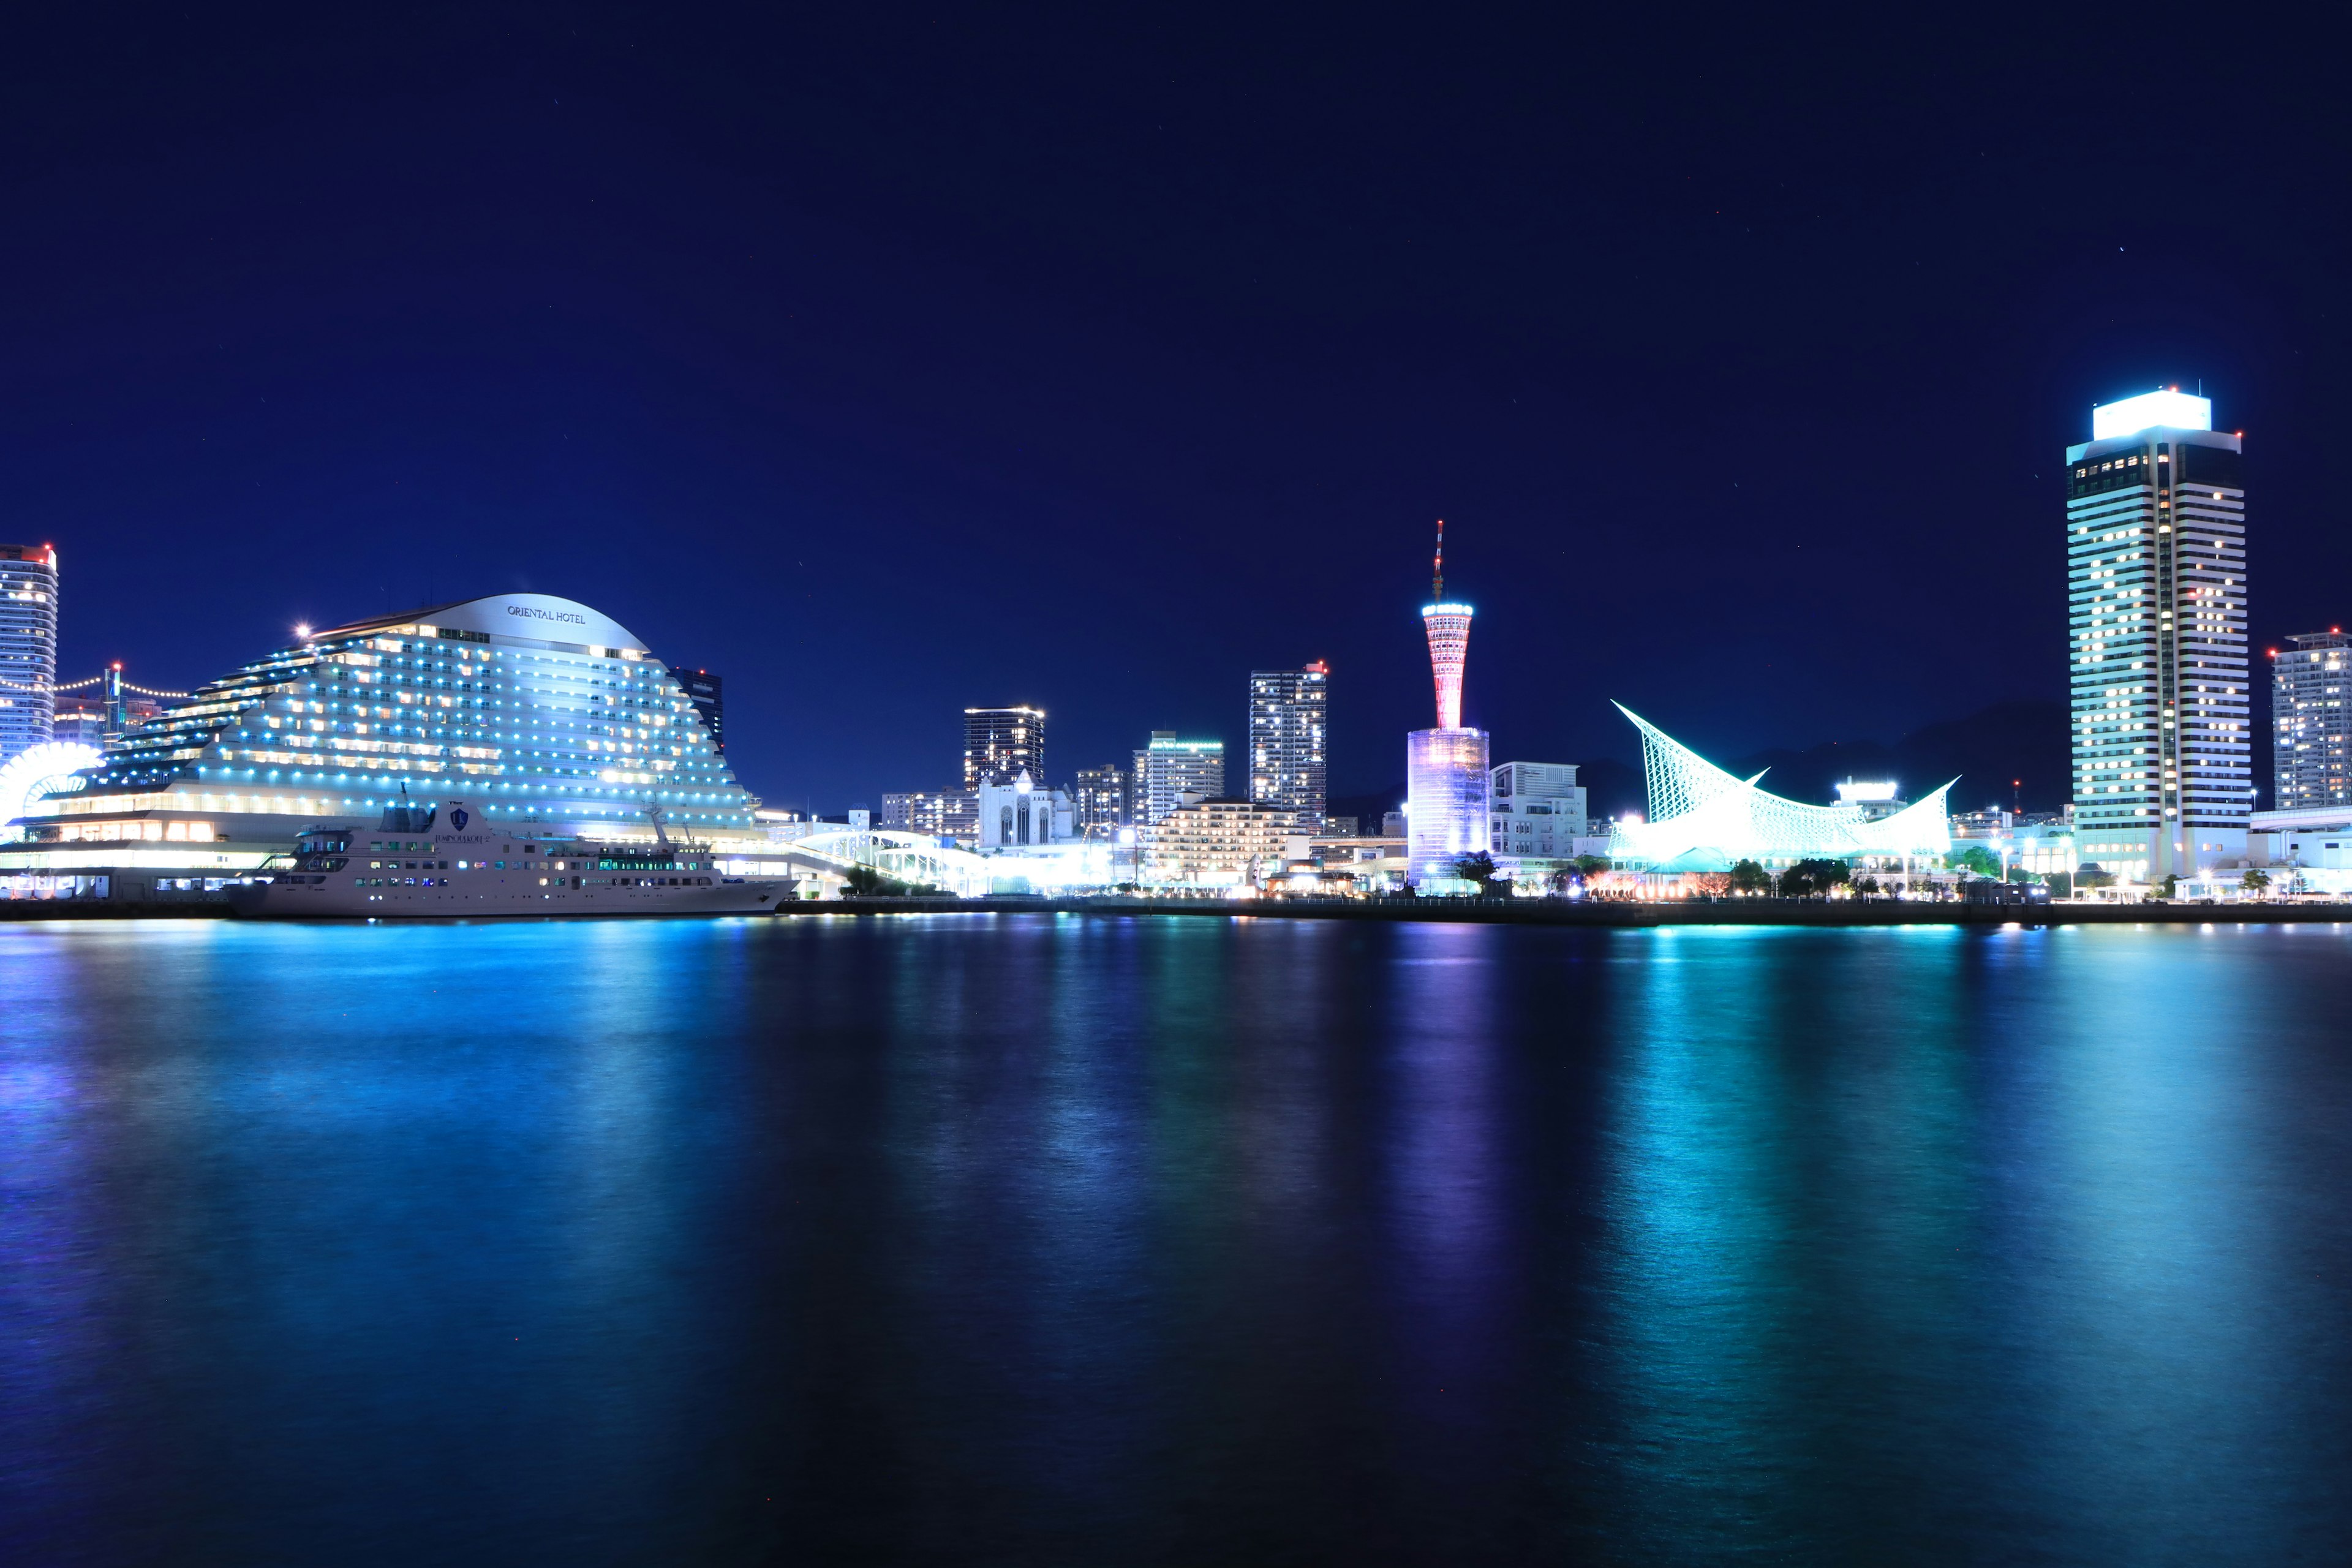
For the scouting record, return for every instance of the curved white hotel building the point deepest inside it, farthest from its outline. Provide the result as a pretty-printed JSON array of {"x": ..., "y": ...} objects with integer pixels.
[
  {"x": 549, "y": 715},
  {"x": 2155, "y": 561}
]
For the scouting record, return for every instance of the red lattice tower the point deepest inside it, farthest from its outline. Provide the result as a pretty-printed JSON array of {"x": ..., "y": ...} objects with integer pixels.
[{"x": 1449, "y": 640}]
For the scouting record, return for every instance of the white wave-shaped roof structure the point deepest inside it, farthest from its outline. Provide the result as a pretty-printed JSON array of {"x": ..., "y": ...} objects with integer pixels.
[{"x": 1704, "y": 819}]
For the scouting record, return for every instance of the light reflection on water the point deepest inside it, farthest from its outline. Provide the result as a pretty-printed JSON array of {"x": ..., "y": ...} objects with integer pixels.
[{"x": 1053, "y": 1239}]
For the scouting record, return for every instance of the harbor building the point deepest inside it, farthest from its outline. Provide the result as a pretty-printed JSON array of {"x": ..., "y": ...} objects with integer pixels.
[
  {"x": 2311, "y": 721},
  {"x": 1287, "y": 724},
  {"x": 1214, "y": 843},
  {"x": 29, "y": 645},
  {"x": 1000, "y": 742},
  {"x": 1535, "y": 810},
  {"x": 545, "y": 717},
  {"x": 1170, "y": 767},
  {"x": 2155, "y": 561},
  {"x": 1446, "y": 770}
]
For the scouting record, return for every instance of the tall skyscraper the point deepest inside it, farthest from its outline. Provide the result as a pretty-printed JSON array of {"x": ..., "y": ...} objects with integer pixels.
[
  {"x": 1168, "y": 767},
  {"x": 1286, "y": 728},
  {"x": 2156, "y": 551},
  {"x": 1102, "y": 800},
  {"x": 999, "y": 742},
  {"x": 1445, "y": 769},
  {"x": 29, "y": 645},
  {"x": 2310, "y": 721}
]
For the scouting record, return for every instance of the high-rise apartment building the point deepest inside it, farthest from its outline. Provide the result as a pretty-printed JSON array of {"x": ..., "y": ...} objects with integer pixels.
[
  {"x": 1169, "y": 768},
  {"x": 1286, "y": 728},
  {"x": 2310, "y": 721},
  {"x": 951, "y": 815},
  {"x": 999, "y": 743},
  {"x": 709, "y": 695},
  {"x": 29, "y": 645},
  {"x": 2156, "y": 552},
  {"x": 1103, "y": 801},
  {"x": 1445, "y": 769}
]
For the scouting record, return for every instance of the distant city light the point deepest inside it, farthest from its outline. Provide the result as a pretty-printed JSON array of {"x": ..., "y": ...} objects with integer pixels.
[{"x": 2172, "y": 407}]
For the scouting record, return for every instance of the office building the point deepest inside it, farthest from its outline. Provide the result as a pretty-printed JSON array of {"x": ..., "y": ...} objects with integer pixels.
[
  {"x": 1535, "y": 810},
  {"x": 1287, "y": 727},
  {"x": 1021, "y": 813},
  {"x": 2311, "y": 721},
  {"x": 1170, "y": 767},
  {"x": 999, "y": 743},
  {"x": 1216, "y": 843},
  {"x": 29, "y": 645},
  {"x": 1103, "y": 801},
  {"x": 539, "y": 716},
  {"x": 1445, "y": 769},
  {"x": 2156, "y": 548},
  {"x": 949, "y": 816},
  {"x": 709, "y": 695}
]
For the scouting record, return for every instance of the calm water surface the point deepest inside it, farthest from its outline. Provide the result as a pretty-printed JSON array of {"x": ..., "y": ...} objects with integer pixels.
[{"x": 1016, "y": 1239}]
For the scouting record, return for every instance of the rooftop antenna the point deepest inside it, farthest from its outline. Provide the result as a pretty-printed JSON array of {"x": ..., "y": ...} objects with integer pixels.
[{"x": 1437, "y": 568}]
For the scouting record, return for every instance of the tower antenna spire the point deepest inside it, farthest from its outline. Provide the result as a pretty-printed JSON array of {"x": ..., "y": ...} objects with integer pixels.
[{"x": 1437, "y": 568}]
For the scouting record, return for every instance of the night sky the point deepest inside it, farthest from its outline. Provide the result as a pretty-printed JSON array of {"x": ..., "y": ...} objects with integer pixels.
[{"x": 893, "y": 360}]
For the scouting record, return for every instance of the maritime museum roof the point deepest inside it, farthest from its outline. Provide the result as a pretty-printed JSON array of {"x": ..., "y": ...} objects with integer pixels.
[{"x": 1703, "y": 818}]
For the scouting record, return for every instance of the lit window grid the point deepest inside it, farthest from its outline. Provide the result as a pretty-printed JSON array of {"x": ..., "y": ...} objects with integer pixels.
[
  {"x": 1166, "y": 770},
  {"x": 1215, "y": 842},
  {"x": 1289, "y": 756},
  {"x": 1003, "y": 742},
  {"x": 2311, "y": 724},
  {"x": 529, "y": 729},
  {"x": 2157, "y": 589},
  {"x": 28, "y": 649}
]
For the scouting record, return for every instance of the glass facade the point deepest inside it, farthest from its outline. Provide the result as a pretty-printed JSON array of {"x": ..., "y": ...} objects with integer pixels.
[
  {"x": 1446, "y": 775},
  {"x": 578, "y": 737}
]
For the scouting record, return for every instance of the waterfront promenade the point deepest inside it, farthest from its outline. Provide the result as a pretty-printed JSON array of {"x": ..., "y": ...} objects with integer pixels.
[
  {"x": 1602, "y": 913},
  {"x": 1610, "y": 912}
]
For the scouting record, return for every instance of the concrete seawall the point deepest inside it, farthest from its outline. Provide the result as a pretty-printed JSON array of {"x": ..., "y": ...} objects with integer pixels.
[{"x": 1608, "y": 913}]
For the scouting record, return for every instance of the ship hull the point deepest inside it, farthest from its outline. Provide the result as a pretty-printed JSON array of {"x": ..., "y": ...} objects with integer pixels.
[{"x": 464, "y": 895}]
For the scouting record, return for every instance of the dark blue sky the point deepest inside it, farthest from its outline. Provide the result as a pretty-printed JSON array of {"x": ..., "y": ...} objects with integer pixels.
[{"x": 891, "y": 361}]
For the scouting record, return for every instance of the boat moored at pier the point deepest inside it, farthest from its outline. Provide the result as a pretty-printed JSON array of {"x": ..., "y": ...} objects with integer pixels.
[{"x": 442, "y": 861}]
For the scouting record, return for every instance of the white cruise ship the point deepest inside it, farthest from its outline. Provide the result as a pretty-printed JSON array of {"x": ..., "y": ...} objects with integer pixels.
[{"x": 445, "y": 861}]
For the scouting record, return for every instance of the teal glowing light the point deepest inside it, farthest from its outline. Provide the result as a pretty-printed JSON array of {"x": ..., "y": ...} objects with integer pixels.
[{"x": 1703, "y": 818}]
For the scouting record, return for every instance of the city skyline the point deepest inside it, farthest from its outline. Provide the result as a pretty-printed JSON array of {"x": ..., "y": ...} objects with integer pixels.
[{"x": 880, "y": 374}]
